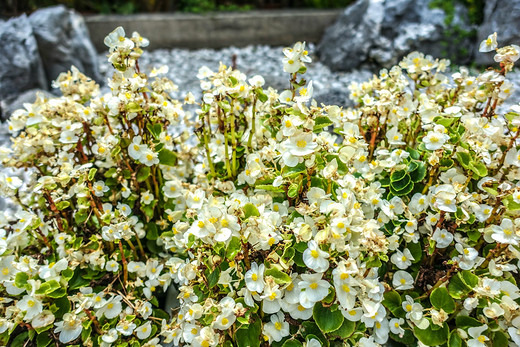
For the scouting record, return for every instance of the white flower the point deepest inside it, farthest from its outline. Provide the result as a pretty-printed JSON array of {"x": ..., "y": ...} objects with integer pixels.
[
  {"x": 31, "y": 306},
  {"x": 111, "y": 336},
  {"x": 302, "y": 144},
  {"x": 70, "y": 328},
  {"x": 12, "y": 182},
  {"x": 100, "y": 188},
  {"x": 147, "y": 197},
  {"x": 271, "y": 300},
  {"x": 125, "y": 327},
  {"x": 109, "y": 233},
  {"x": 402, "y": 280},
  {"x": 112, "y": 266},
  {"x": 313, "y": 289},
  {"x": 435, "y": 140},
  {"x": 144, "y": 331},
  {"x": 172, "y": 189},
  {"x": 478, "y": 340},
  {"x": 68, "y": 136},
  {"x": 414, "y": 310},
  {"x": 224, "y": 320},
  {"x": 313, "y": 343},
  {"x": 45, "y": 318},
  {"x": 402, "y": 259},
  {"x": 505, "y": 232},
  {"x": 135, "y": 149},
  {"x": 442, "y": 238},
  {"x": 315, "y": 258},
  {"x": 277, "y": 328},
  {"x": 256, "y": 81},
  {"x": 395, "y": 326},
  {"x": 148, "y": 156},
  {"x": 489, "y": 44},
  {"x": 117, "y": 39},
  {"x": 111, "y": 309},
  {"x": 467, "y": 258},
  {"x": 255, "y": 278}
]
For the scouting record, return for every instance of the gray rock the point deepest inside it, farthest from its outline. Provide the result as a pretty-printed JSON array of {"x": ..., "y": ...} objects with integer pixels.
[
  {"x": 63, "y": 40},
  {"x": 11, "y": 105},
  {"x": 20, "y": 65},
  {"x": 504, "y": 18},
  {"x": 380, "y": 32}
]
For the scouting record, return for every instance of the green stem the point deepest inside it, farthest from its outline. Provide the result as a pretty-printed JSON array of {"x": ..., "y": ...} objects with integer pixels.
[
  {"x": 253, "y": 126},
  {"x": 233, "y": 143}
]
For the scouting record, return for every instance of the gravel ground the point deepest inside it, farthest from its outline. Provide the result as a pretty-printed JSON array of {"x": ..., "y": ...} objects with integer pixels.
[{"x": 329, "y": 87}]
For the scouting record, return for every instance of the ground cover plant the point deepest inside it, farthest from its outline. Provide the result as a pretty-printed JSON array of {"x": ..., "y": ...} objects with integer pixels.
[{"x": 280, "y": 221}]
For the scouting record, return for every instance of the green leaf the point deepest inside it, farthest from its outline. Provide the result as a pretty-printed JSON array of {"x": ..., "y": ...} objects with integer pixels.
[
  {"x": 249, "y": 335},
  {"x": 261, "y": 96},
  {"x": 292, "y": 343},
  {"x": 402, "y": 183},
  {"x": 392, "y": 301},
  {"x": 478, "y": 168},
  {"x": 465, "y": 322},
  {"x": 77, "y": 281},
  {"x": 63, "y": 306},
  {"x": 311, "y": 331},
  {"x": 455, "y": 340},
  {"x": 58, "y": 293},
  {"x": 405, "y": 191},
  {"x": 345, "y": 330},
  {"x": 292, "y": 192},
  {"x": 151, "y": 231},
  {"x": 418, "y": 174},
  {"x": 269, "y": 187},
  {"x": 279, "y": 276},
  {"x": 457, "y": 288},
  {"x": 432, "y": 336},
  {"x": 446, "y": 122},
  {"x": 233, "y": 248},
  {"x": 20, "y": 280},
  {"x": 155, "y": 129},
  {"x": 213, "y": 277},
  {"x": 414, "y": 154},
  {"x": 440, "y": 298},
  {"x": 326, "y": 319},
  {"x": 397, "y": 175},
  {"x": 416, "y": 250},
  {"x": 510, "y": 204},
  {"x": 60, "y": 206},
  {"x": 250, "y": 210},
  {"x": 43, "y": 340},
  {"x": 92, "y": 174},
  {"x": 288, "y": 172},
  {"x": 143, "y": 173},
  {"x": 167, "y": 157},
  {"x": 464, "y": 159},
  {"x": 80, "y": 216},
  {"x": 500, "y": 339},
  {"x": 20, "y": 340},
  {"x": 321, "y": 122}
]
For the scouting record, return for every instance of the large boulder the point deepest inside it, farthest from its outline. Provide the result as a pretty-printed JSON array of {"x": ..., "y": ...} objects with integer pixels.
[
  {"x": 504, "y": 18},
  {"x": 63, "y": 40},
  {"x": 378, "y": 33},
  {"x": 20, "y": 64}
]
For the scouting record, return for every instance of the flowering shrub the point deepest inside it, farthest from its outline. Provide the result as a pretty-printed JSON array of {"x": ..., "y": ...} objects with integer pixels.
[{"x": 280, "y": 222}]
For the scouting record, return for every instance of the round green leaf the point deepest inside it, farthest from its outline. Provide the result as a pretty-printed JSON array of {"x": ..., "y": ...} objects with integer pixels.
[
  {"x": 431, "y": 336},
  {"x": 326, "y": 319},
  {"x": 440, "y": 298}
]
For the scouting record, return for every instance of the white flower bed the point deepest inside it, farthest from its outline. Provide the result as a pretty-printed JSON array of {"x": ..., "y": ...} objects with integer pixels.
[{"x": 287, "y": 224}]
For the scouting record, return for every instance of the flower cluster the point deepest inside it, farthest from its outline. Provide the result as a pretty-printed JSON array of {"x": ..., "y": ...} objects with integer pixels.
[{"x": 279, "y": 221}]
